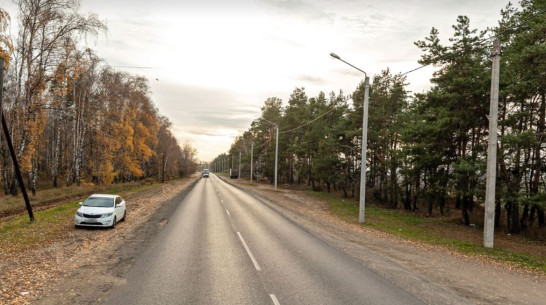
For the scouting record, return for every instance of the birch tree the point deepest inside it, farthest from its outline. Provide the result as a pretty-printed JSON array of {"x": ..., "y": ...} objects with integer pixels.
[{"x": 44, "y": 25}]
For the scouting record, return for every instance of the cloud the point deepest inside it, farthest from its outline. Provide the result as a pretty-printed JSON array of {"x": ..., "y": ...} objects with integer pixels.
[
  {"x": 202, "y": 114},
  {"x": 307, "y": 10},
  {"x": 310, "y": 79},
  {"x": 221, "y": 59}
]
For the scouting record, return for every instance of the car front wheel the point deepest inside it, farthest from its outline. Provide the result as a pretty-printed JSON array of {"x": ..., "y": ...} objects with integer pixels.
[{"x": 113, "y": 223}]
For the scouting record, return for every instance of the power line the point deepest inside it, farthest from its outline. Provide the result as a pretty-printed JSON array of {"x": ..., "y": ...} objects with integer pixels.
[
  {"x": 137, "y": 67},
  {"x": 320, "y": 116},
  {"x": 477, "y": 43},
  {"x": 293, "y": 129},
  {"x": 413, "y": 70}
]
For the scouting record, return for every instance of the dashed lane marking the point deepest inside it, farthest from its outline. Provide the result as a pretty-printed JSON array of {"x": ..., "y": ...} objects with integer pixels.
[
  {"x": 274, "y": 298},
  {"x": 249, "y": 253}
]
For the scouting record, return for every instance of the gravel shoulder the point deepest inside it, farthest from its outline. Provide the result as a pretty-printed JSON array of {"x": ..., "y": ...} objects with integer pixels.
[
  {"x": 87, "y": 263},
  {"x": 434, "y": 274},
  {"x": 83, "y": 267}
]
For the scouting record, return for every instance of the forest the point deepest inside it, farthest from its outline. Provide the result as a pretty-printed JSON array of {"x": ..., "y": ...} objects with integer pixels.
[
  {"x": 72, "y": 118},
  {"x": 426, "y": 151}
]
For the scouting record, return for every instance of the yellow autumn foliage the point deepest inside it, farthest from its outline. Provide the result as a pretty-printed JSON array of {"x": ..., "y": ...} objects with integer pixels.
[{"x": 5, "y": 44}]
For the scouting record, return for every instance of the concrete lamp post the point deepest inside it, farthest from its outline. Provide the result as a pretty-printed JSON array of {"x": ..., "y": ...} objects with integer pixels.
[{"x": 363, "y": 167}]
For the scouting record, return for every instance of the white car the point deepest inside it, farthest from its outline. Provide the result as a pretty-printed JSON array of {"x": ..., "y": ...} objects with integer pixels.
[{"x": 100, "y": 210}]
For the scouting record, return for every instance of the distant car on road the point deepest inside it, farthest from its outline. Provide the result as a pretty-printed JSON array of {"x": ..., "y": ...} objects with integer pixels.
[
  {"x": 205, "y": 173},
  {"x": 233, "y": 173},
  {"x": 100, "y": 210}
]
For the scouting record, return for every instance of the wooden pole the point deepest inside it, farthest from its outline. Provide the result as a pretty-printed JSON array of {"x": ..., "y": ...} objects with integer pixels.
[
  {"x": 17, "y": 170},
  {"x": 10, "y": 145}
]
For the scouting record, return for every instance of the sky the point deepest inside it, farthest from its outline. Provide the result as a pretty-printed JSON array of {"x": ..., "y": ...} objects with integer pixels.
[{"x": 212, "y": 63}]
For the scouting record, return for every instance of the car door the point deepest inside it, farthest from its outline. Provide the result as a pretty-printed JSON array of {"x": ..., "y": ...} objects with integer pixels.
[{"x": 120, "y": 207}]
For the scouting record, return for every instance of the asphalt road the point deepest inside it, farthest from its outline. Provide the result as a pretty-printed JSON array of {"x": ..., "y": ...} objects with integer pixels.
[{"x": 223, "y": 246}]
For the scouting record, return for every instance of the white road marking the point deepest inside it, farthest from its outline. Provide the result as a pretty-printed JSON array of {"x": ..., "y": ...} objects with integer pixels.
[
  {"x": 274, "y": 298},
  {"x": 249, "y": 253},
  {"x": 222, "y": 200},
  {"x": 227, "y": 212}
]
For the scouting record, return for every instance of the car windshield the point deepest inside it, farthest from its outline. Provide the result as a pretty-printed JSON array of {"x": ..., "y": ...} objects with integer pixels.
[
  {"x": 102, "y": 202},
  {"x": 205, "y": 171}
]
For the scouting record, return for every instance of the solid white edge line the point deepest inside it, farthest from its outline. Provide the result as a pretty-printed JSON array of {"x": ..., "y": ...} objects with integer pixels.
[
  {"x": 227, "y": 212},
  {"x": 249, "y": 253},
  {"x": 274, "y": 298}
]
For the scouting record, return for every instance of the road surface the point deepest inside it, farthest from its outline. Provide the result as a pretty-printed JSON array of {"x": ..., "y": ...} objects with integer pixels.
[{"x": 223, "y": 246}]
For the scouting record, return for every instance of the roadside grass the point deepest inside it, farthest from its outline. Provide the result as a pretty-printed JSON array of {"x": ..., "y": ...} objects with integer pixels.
[
  {"x": 429, "y": 231},
  {"x": 15, "y": 204},
  {"x": 18, "y": 234}
]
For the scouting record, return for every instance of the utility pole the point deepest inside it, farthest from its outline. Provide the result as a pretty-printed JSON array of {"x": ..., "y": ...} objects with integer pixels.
[
  {"x": 251, "y": 160},
  {"x": 489, "y": 221},
  {"x": 10, "y": 144},
  {"x": 363, "y": 167},
  {"x": 276, "y": 153},
  {"x": 239, "y": 172}
]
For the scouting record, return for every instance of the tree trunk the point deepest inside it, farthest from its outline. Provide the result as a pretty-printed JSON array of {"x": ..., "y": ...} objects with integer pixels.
[
  {"x": 465, "y": 209},
  {"x": 514, "y": 211},
  {"x": 164, "y": 168},
  {"x": 525, "y": 216},
  {"x": 430, "y": 199},
  {"x": 497, "y": 213},
  {"x": 539, "y": 211},
  {"x": 442, "y": 202},
  {"x": 415, "y": 193},
  {"x": 407, "y": 198},
  {"x": 33, "y": 181},
  {"x": 5, "y": 170},
  {"x": 57, "y": 153},
  {"x": 14, "y": 188}
]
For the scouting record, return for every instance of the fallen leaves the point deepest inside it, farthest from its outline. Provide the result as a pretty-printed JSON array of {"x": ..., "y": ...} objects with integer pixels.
[{"x": 34, "y": 257}]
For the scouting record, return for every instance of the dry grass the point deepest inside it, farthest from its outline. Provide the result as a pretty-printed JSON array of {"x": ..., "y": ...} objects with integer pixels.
[
  {"x": 514, "y": 251},
  {"x": 11, "y": 206}
]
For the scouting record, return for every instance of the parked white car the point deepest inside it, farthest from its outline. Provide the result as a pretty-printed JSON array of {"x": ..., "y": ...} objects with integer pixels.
[{"x": 100, "y": 210}]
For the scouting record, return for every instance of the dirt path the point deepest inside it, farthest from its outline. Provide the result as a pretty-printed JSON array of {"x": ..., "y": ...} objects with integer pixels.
[{"x": 434, "y": 274}]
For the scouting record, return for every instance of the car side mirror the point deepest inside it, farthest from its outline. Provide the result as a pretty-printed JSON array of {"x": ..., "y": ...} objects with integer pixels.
[{"x": 81, "y": 203}]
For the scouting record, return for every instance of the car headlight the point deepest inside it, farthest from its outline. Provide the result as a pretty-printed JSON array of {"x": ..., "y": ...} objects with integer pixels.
[
  {"x": 106, "y": 215},
  {"x": 79, "y": 213}
]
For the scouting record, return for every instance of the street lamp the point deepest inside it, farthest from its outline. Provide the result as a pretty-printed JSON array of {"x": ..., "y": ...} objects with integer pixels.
[{"x": 364, "y": 140}]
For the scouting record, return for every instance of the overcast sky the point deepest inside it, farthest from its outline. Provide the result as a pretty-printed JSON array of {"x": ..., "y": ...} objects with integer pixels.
[{"x": 216, "y": 62}]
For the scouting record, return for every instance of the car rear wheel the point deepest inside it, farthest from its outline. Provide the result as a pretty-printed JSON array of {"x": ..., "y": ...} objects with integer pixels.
[{"x": 124, "y": 216}]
